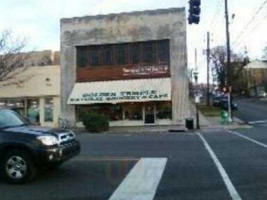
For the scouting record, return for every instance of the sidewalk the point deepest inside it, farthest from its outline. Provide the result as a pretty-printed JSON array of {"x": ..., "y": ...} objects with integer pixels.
[
  {"x": 214, "y": 123},
  {"x": 135, "y": 129}
]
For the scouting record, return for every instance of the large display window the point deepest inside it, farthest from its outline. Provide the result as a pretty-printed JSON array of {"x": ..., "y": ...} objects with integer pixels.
[
  {"x": 113, "y": 112},
  {"x": 147, "y": 112},
  {"x": 49, "y": 110},
  {"x": 133, "y": 111},
  {"x": 33, "y": 110},
  {"x": 164, "y": 110}
]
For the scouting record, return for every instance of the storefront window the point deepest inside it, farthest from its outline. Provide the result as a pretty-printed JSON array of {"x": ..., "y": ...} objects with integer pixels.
[
  {"x": 33, "y": 110},
  {"x": 134, "y": 111},
  {"x": 3, "y": 103},
  {"x": 164, "y": 110},
  {"x": 48, "y": 110},
  {"x": 17, "y": 105},
  {"x": 115, "y": 113},
  {"x": 112, "y": 112}
]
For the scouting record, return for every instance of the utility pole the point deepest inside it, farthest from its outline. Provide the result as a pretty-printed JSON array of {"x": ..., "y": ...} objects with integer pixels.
[
  {"x": 208, "y": 68},
  {"x": 228, "y": 79},
  {"x": 197, "y": 99}
]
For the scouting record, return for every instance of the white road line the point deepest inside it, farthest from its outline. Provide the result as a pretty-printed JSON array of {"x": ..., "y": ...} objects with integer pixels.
[
  {"x": 142, "y": 181},
  {"x": 248, "y": 138},
  {"x": 229, "y": 185},
  {"x": 257, "y": 122}
]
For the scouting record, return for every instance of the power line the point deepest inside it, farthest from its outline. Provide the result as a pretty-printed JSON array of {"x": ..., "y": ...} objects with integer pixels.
[
  {"x": 250, "y": 21},
  {"x": 253, "y": 29},
  {"x": 216, "y": 13}
]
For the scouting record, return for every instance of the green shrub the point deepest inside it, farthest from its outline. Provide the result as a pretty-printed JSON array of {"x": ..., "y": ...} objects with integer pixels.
[{"x": 95, "y": 122}]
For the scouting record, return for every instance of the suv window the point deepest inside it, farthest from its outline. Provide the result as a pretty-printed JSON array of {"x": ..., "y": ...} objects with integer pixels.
[{"x": 10, "y": 119}]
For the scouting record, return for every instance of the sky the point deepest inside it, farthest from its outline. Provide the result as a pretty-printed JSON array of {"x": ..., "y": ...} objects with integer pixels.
[{"x": 39, "y": 22}]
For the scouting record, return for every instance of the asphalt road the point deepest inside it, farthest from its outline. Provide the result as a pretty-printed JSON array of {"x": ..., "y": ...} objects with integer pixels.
[
  {"x": 251, "y": 110},
  {"x": 211, "y": 165}
]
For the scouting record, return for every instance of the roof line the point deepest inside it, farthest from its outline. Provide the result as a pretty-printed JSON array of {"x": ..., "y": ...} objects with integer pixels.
[{"x": 110, "y": 15}]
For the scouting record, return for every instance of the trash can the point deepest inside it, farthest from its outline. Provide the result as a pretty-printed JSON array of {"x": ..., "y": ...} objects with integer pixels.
[
  {"x": 189, "y": 123},
  {"x": 224, "y": 117}
]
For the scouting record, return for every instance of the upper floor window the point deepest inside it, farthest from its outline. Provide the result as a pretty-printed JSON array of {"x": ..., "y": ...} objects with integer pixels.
[
  {"x": 149, "y": 53},
  {"x": 135, "y": 53},
  {"x": 127, "y": 54},
  {"x": 94, "y": 56},
  {"x": 121, "y": 54},
  {"x": 163, "y": 51},
  {"x": 107, "y": 53}
]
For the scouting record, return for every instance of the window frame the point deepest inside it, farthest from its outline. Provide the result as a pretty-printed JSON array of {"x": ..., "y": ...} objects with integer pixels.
[{"x": 128, "y": 53}]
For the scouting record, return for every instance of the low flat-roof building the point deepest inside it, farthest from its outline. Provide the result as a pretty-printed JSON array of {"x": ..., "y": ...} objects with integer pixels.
[
  {"x": 35, "y": 93},
  {"x": 256, "y": 77},
  {"x": 131, "y": 67}
]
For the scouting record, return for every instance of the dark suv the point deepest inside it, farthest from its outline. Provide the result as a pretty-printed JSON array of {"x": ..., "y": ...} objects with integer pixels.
[{"x": 25, "y": 148}]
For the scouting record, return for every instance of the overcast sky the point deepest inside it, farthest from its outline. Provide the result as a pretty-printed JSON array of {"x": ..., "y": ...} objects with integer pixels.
[{"x": 39, "y": 20}]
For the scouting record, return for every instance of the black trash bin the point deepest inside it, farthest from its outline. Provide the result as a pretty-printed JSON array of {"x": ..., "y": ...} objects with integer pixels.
[{"x": 189, "y": 123}]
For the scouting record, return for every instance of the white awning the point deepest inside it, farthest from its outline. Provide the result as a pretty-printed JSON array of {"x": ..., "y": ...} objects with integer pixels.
[{"x": 138, "y": 90}]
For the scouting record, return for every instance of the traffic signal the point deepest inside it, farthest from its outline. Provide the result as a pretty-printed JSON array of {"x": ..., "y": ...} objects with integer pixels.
[{"x": 194, "y": 11}]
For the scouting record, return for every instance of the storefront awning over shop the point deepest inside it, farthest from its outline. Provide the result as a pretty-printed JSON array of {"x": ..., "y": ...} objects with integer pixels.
[{"x": 139, "y": 90}]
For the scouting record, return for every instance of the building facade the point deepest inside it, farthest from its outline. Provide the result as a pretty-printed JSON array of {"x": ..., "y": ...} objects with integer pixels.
[
  {"x": 131, "y": 67},
  {"x": 255, "y": 74},
  {"x": 35, "y": 93}
]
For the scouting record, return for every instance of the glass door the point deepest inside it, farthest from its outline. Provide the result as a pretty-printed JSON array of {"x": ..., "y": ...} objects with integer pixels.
[{"x": 150, "y": 114}]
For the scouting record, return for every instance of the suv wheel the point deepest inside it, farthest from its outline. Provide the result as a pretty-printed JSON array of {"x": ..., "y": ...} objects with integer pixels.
[{"x": 17, "y": 167}]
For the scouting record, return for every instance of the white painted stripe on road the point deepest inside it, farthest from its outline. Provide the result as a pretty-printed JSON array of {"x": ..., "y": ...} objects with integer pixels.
[
  {"x": 229, "y": 185},
  {"x": 257, "y": 122},
  {"x": 248, "y": 138},
  {"x": 142, "y": 181}
]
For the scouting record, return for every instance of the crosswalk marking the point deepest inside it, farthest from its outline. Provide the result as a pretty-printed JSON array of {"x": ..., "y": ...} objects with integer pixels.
[
  {"x": 229, "y": 185},
  {"x": 142, "y": 181}
]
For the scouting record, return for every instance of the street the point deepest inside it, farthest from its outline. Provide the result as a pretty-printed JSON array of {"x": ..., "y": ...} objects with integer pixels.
[
  {"x": 251, "y": 110},
  {"x": 212, "y": 164}
]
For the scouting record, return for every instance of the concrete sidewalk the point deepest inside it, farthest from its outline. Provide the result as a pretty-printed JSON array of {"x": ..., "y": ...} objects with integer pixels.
[
  {"x": 135, "y": 129},
  {"x": 211, "y": 123}
]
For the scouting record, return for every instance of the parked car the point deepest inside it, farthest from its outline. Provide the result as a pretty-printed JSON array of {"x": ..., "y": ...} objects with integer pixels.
[
  {"x": 262, "y": 94},
  {"x": 224, "y": 105},
  {"x": 222, "y": 102},
  {"x": 25, "y": 149},
  {"x": 216, "y": 101}
]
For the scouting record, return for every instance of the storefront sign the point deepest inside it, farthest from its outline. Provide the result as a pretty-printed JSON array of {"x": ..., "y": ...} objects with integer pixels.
[
  {"x": 146, "y": 70},
  {"x": 121, "y": 96},
  {"x": 137, "y": 90}
]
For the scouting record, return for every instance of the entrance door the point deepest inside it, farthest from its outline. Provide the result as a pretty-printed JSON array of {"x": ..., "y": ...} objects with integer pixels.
[{"x": 149, "y": 114}]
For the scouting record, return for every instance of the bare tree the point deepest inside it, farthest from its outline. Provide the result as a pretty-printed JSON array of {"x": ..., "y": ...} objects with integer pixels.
[
  {"x": 219, "y": 61},
  {"x": 11, "y": 57},
  {"x": 218, "y": 58}
]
